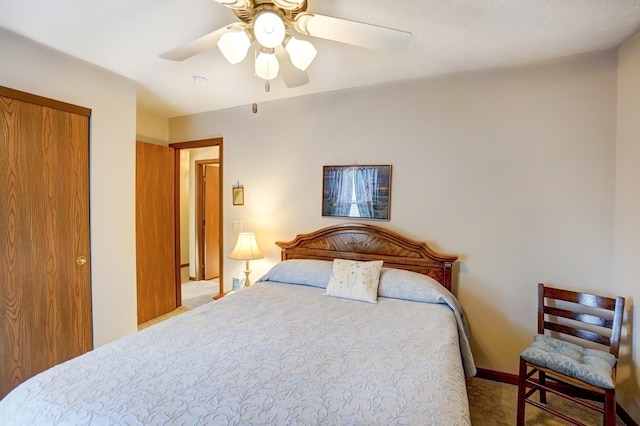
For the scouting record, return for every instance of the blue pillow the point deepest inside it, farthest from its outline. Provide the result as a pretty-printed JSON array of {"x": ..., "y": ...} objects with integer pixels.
[
  {"x": 314, "y": 273},
  {"x": 408, "y": 285}
]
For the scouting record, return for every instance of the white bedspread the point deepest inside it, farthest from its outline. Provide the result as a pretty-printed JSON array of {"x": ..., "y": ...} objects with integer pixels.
[{"x": 271, "y": 354}]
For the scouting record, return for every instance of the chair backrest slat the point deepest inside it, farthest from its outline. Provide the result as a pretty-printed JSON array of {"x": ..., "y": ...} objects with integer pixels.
[
  {"x": 586, "y": 316},
  {"x": 585, "y": 299},
  {"x": 578, "y": 316},
  {"x": 577, "y": 332}
]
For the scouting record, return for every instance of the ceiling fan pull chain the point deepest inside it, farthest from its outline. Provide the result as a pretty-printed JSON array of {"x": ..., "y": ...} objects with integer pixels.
[{"x": 254, "y": 106}]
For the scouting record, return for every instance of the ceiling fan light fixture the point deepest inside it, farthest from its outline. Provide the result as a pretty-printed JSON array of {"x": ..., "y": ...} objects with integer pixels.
[
  {"x": 268, "y": 29},
  {"x": 267, "y": 65},
  {"x": 301, "y": 52},
  {"x": 234, "y": 45}
]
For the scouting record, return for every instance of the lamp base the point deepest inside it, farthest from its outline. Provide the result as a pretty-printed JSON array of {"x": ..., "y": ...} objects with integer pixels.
[{"x": 247, "y": 271}]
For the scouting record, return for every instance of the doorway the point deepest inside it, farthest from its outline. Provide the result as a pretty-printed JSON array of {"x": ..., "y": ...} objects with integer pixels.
[{"x": 198, "y": 270}]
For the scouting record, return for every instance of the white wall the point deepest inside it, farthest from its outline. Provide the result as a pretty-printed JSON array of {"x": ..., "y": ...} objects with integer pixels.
[
  {"x": 627, "y": 224},
  {"x": 513, "y": 170},
  {"x": 151, "y": 128},
  {"x": 32, "y": 68}
]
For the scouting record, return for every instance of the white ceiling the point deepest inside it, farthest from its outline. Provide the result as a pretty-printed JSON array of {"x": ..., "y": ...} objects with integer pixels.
[{"x": 126, "y": 36}]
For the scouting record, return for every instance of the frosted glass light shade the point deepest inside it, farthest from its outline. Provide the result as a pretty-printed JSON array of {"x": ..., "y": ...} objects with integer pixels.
[
  {"x": 267, "y": 66},
  {"x": 234, "y": 45},
  {"x": 269, "y": 29},
  {"x": 301, "y": 52},
  {"x": 246, "y": 247}
]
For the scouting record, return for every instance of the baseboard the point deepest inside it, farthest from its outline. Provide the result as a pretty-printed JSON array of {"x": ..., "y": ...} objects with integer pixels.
[
  {"x": 512, "y": 379},
  {"x": 624, "y": 416},
  {"x": 497, "y": 376}
]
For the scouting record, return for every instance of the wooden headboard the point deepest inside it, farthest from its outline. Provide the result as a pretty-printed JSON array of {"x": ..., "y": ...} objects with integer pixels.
[{"x": 368, "y": 242}]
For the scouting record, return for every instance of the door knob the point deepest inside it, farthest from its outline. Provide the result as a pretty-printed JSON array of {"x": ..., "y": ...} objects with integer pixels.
[{"x": 81, "y": 260}]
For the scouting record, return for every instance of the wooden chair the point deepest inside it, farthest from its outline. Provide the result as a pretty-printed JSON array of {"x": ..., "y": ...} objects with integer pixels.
[{"x": 569, "y": 369}]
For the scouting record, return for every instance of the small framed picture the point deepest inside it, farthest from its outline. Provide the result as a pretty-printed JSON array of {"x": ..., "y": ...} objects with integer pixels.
[{"x": 238, "y": 195}]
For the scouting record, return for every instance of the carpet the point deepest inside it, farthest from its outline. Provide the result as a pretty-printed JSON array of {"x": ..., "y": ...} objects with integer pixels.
[
  {"x": 197, "y": 293},
  {"x": 495, "y": 404}
]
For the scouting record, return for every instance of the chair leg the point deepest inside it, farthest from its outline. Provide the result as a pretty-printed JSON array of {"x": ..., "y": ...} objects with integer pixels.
[
  {"x": 522, "y": 390},
  {"x": 542, "y": 377},
  {"x": 609, "y": 408}
]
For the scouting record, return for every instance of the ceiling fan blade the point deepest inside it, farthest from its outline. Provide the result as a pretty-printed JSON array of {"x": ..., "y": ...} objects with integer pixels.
[
  {"x": 287, "y": 4},
  {"x": 292, "y": 76},
  {"x": 352, "y": 32},
  {"x": 235, "y": 4},
  {"x": 199, "y": 45}
]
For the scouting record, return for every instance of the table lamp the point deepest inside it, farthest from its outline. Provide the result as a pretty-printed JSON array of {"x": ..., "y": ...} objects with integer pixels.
[{"x": 246, "y": 249}]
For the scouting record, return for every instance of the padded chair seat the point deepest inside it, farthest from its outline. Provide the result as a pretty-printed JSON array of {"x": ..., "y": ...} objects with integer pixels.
[{"x": 589, "y": 365}]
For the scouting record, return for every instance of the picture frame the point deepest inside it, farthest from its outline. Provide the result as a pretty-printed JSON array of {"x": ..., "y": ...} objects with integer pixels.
[
  {"x": 357, "y": 191},
  {"x": 238, "y": 195}
]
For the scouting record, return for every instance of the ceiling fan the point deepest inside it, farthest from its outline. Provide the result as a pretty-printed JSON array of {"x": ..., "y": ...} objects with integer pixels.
[{"x": 271, "y": 24}]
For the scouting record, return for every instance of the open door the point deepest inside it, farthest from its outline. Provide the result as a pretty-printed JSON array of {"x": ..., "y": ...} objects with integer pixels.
[
  {"x": 155, "y": 236},
  {"x": 211, "y": 223}
]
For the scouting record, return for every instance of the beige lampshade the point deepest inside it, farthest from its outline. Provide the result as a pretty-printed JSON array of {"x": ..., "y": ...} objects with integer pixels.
[{"x": 246, "y": 248}]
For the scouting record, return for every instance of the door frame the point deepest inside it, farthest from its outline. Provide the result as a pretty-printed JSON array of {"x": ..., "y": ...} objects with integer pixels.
[{"x": 178, "y": 146}]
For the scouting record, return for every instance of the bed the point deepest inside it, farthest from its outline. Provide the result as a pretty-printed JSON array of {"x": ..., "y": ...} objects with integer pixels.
[{"x": 286, "y": 351}]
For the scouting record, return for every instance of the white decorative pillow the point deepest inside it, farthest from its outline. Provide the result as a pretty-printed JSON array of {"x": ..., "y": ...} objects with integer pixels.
[{"x": 355, "y": 280}]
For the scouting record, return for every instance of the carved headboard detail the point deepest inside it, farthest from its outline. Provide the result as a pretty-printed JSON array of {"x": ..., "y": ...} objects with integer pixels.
[{"x": 369, "y": 242}]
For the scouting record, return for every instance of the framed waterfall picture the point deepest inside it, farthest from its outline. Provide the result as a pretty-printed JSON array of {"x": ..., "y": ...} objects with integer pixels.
[{"x": 356, "y": 191}]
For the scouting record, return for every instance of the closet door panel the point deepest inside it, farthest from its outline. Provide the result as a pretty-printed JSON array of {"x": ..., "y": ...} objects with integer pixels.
[{"x": 45, "y": 310}]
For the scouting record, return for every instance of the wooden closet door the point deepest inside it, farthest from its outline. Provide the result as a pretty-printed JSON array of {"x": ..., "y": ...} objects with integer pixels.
[{"x": 45, "y": 310}]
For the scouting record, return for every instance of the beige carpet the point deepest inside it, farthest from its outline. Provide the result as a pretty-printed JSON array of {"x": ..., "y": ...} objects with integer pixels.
[
  {"x": 494, "y": 404},
  {"x": 196, "y": 293},
  {"x": 161, "y": 318}
]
